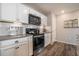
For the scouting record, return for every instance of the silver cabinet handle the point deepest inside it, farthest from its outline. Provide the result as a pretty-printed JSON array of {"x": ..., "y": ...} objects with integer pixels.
[
  {"x": 16, "y": 47},
  {"x": 16, "y": 42}
]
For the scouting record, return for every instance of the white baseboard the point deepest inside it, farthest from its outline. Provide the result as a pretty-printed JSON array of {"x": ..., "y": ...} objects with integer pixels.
[
  {"x": 66, "y": 42},
  {"x": 52, "y": 43}
]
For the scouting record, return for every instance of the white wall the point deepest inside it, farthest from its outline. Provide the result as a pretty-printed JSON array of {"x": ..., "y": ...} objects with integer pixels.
[
  {"x": 49, "y": 19},
  {"x": 67, "y": 35}
]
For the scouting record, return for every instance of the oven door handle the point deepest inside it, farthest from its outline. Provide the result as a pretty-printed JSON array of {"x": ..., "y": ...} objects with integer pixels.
[{"x": 37, "y": 36}]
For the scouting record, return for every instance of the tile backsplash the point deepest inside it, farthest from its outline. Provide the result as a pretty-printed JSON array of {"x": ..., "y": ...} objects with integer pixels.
[
  {"x": 4, "y": 29},
  {"x": 7, "y": 29}
]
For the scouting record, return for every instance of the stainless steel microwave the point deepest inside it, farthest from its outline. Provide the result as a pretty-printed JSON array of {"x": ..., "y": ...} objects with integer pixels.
[{"x": 34, "y": 20}]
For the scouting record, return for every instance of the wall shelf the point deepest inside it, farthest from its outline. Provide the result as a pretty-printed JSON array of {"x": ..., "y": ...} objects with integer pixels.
[
  {"x": 4, "y": 21},
  {"x": 72, "y": 23}
]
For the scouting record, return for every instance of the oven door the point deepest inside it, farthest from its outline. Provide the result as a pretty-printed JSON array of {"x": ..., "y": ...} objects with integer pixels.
[{"x": 38, "y": 42}]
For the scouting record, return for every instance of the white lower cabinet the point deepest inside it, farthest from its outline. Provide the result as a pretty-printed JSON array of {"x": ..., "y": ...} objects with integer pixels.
[
  {"x": 8, "y": 51},
  {"x": 30, "y": 46},
  {"x": 21, "y": 47},
  {"x": 17, "y": 50},
  {"x": 21, "y": 50},
  {"x": 47, "y": 39}
]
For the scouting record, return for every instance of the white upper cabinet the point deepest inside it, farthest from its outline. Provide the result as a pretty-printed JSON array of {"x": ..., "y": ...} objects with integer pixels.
[
  {"x": 23, "y": 13},
  {"x": 33, "y": 12},
  {"x": 8, "y": 11},
  {"x": 43, "y": 20},
  {"x": 19, "y": 12},
  {"x": 14, "y": 12}
]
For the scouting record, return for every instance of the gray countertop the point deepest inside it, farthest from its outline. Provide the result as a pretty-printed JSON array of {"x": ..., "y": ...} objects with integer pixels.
[
  {"x": 47, "y": 32},
  {"x": 9, "y": 37}
]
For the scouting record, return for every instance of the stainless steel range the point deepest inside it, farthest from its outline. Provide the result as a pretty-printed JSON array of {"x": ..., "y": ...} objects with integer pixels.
[{"x": 38, "y": 39}]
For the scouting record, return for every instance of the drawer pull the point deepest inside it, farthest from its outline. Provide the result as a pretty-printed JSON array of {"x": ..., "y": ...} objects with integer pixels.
[
  {"x": 16, "y": 41},
  {"x": 16, "y": 47}
]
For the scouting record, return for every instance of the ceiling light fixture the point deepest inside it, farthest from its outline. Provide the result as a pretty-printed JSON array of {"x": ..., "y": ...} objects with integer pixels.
[{"x": 62, "y": 11}]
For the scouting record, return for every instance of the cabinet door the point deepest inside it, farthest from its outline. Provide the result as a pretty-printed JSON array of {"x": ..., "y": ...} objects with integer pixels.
[
  {"x": 43, "y": 20},
  {"x": 33, "y": 12},
  {"x": 22, "y": 50},
  {"x": 8, "y": 52},
  {"x": 30, "y": 46},
  {"x": 23, "y": 12},
  {"x": 8, "y": 11},
  {"x": 47, "y": 39}
]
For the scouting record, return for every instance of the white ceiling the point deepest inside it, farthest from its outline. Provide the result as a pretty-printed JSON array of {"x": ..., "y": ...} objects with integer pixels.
[{"x": 55, "y": 7}]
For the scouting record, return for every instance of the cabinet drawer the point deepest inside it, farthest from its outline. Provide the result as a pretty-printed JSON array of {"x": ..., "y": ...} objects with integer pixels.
[
  {"x": 8, "y": 42},
  {"x": 13, "y": 41},
  {"x": 22, "y": 39}
]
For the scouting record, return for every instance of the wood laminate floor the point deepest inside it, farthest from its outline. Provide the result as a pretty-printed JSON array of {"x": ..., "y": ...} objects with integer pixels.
[{"x": 59, "y": 49}]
